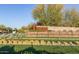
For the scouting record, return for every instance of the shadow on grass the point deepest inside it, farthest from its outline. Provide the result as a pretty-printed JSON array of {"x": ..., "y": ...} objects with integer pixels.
[
  {"x": 30, "y": 50},
  {"x": 7, "y": 50}
]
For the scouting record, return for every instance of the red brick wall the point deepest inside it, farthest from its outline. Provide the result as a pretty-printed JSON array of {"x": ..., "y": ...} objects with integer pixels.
[{"x": 40, "y": 28}]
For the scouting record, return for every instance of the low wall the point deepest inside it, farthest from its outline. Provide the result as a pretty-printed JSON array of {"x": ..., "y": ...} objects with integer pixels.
[
  {"x": 52, "y": 34},
  {"x": 37, "y": 42}
]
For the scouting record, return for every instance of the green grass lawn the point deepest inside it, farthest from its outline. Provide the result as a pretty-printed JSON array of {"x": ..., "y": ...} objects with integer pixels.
[{"x": 24, "y": 49}]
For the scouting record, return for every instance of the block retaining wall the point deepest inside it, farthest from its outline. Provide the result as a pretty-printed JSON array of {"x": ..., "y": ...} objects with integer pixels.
[
  {"x": 52, "y": 34},
  {"x": 37, "y": 42}
]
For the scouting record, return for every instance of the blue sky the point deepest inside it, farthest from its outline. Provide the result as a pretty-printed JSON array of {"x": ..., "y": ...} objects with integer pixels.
[{"x": 20, "y": 15}]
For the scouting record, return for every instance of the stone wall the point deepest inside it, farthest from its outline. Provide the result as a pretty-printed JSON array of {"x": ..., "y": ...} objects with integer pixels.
[
  {"x": 37, "y": 42},
  {"x": 51, "y": 31},
  {"x": 53, "y": 34}
]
